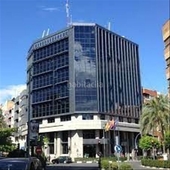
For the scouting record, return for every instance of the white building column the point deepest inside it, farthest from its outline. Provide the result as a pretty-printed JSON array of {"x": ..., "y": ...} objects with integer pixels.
[
  {"x": 97, "y": 136},
  {"x": 76, "y": 144},
  {"x": 69, "y": 143},
  {"x": 58, "y": 144},
  {"x": 55, "y": 143}
]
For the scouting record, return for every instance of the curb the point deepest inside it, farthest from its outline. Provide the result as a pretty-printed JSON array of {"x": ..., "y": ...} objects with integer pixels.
[{"x": 152, "y": 167}]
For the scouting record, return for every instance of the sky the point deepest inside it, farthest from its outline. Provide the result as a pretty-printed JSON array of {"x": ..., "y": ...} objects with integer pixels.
[{"x": 23, "y": 21}]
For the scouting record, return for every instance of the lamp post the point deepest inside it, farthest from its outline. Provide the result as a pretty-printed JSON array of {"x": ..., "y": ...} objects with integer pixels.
[{"x": 136, "y": 146}]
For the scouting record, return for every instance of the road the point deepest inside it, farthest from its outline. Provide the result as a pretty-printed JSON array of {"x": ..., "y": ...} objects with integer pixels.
[
  {"x": 90, "y": 166},
  {"x": 74, "y": 166}
]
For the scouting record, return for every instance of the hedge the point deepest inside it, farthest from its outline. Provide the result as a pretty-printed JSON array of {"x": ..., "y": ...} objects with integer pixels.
[
  {"x": 114, "y": 165},
  {"x": 113, "y": 159},
  {"x": 155, "y": 163},
  {"x": 86, "y": 159}
]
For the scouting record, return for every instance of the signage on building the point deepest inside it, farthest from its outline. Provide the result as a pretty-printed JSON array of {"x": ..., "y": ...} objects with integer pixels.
[{"x": 34, "y": 130}]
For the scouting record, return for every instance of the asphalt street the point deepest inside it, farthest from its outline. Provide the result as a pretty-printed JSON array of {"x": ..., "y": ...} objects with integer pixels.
[
  {"x": 91, "y": 166},
  {"x": 73, "y": 166}
]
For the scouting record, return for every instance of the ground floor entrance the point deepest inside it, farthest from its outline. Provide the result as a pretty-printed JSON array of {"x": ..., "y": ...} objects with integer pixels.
[{"x": 87, "y": 143}]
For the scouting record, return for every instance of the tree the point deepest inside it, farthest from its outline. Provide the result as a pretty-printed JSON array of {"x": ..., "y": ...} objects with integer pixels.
[
  {"x": 155, "y": 116},
  {"x": 5, "y": 135},
  {"x": 147, "y": 142},
  {"x": 5, "y": 142},
  {"x": 2, "y": 122},
  {"x": 167, "y": 139}
]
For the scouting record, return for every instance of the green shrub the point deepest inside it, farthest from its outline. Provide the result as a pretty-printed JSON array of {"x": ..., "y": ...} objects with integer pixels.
[
  {"x": 123, "y": 159},
  {"x": 105, "y": 164},
  {"x": 114, "y": 166},
  {"x": 124, "y": 166},
  {"x": 156, "y": 163}
]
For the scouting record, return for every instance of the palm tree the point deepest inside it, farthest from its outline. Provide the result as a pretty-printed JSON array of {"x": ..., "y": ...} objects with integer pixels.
[{"x": 155, "y": 115}]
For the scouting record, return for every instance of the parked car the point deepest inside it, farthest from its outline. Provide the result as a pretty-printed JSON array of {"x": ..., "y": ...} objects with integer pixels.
[
  {"x": 20, "y": 164},
  {"x": 62, "y": 159}
]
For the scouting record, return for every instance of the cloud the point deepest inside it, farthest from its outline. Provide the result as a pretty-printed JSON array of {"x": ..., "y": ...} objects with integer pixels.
[
  {"x": 11, "y": 91},
  {"x": 49, "y": 9}
]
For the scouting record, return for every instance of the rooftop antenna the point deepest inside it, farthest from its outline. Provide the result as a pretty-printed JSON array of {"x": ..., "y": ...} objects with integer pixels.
[
  {"x": 109, "y": 25},
  {"x": 71, "y": 19},
  {"x": 43, "y": 34},
  {"x": 47, "y": 32},
  {"x": 67, "y": 13}
]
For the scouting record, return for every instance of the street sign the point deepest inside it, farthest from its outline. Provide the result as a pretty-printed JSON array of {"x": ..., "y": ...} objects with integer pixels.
[
  {"x": 118, "y": 148},
  {"x": 38, "y": 150}
]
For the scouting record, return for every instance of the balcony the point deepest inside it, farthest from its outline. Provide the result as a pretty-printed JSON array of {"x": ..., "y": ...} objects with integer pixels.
[
  {"x": 167, "y": 52},
  {"x": 168, "y": 73},
  {"x": 166, "y": 30}
]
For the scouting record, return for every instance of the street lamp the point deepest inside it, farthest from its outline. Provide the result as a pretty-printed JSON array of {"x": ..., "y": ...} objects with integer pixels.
[{"x": 136, "y": 146}]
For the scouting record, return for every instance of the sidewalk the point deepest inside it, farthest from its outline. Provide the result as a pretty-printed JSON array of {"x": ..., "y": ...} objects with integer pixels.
[{"x": 137, "y": 166}]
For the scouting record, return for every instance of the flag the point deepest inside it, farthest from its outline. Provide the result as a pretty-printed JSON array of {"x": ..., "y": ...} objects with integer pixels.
[
  {"x": 107, "y": 126},
  {"x": 114, "y": 124}
]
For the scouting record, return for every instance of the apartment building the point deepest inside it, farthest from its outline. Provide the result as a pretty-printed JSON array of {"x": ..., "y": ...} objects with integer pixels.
[
  {"x": 166, "y": 39},
  {"x": 148, "y": 94},
  {"x": 15, "y": 115},
  {"x": 8, "y": 113},
  {"x": 20, "y": 118}
]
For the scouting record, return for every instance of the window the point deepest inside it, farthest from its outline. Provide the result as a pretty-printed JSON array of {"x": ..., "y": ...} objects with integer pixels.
[
  {"x": 51, "y": 120},
  {"x": 87, "y": 116},
  {"x": 136, "y": 121},
  {"x": 64, "y": 137},
  {"x": 88, "y": 134},
  {"x": 102, "y": 117},
  {"x": 129, "y": 120},
  {"x": 39, "y": 121},
  {"x": 65, "y": 118},
  {"x": 121, "y": 119},
  {"x": 51, "y": 148},
  {"x": 65, "y": 148}
]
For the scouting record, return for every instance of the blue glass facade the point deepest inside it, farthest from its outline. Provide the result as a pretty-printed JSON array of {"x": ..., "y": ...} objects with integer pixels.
[
  {"x": 119, "y": 74},
  {"x": 88, "y": 66},
  {"x": 85, "y": 68},
  {"x": 50, "y": 76}
]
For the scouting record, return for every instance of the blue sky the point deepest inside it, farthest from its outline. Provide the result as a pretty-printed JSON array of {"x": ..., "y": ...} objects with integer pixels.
[{"x": 23, "y": 21}]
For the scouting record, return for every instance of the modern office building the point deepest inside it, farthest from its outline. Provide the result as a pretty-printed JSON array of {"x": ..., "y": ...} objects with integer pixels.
[
  {"x": 166, "y": 39},
  {"x": 78, "y": 79}
]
